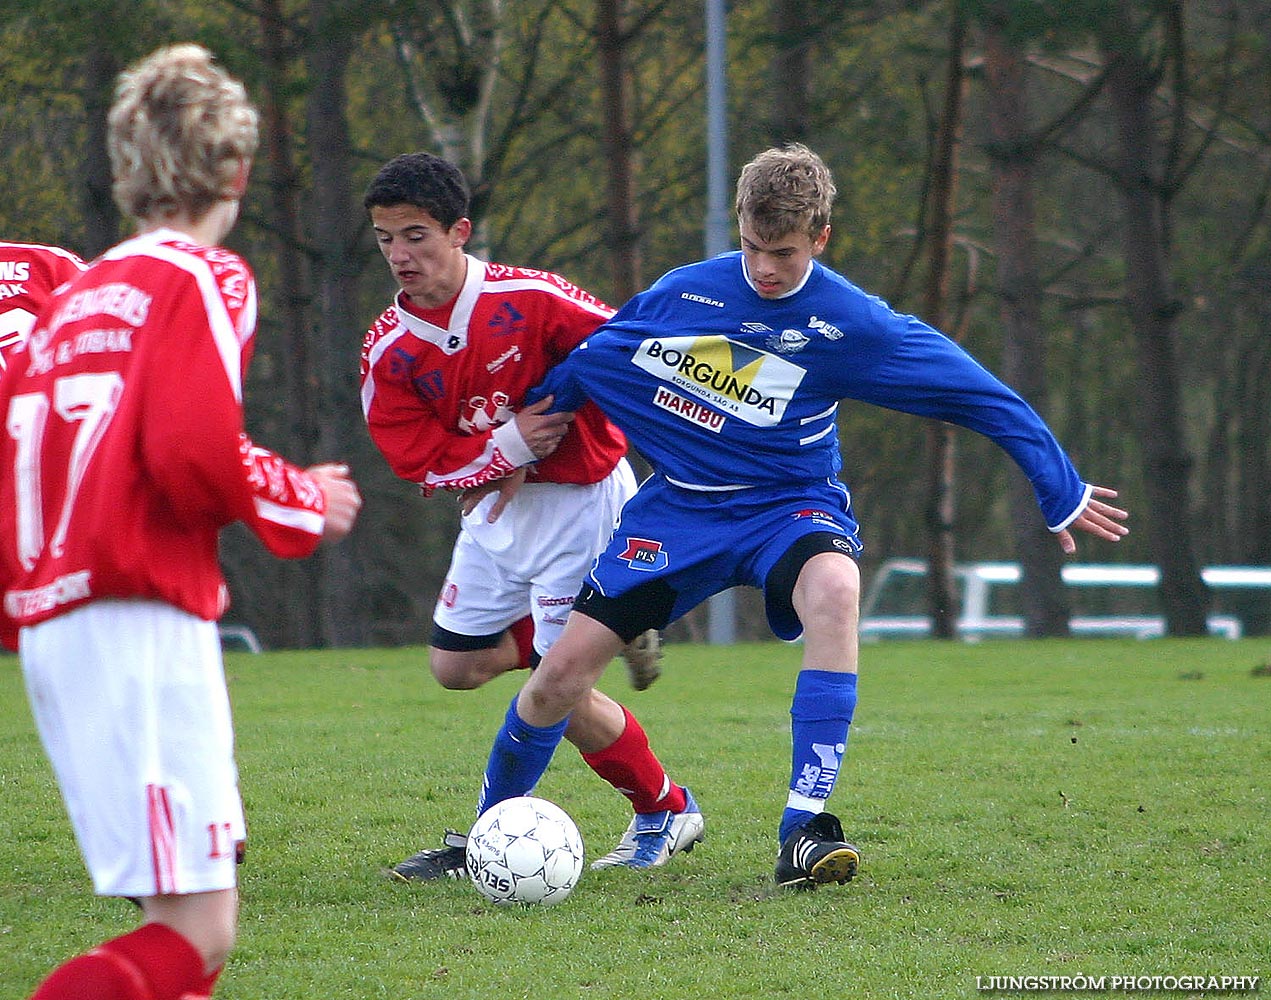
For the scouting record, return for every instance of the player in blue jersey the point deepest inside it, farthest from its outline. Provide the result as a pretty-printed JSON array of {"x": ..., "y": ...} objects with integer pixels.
[{"x": 727, "y": 374}]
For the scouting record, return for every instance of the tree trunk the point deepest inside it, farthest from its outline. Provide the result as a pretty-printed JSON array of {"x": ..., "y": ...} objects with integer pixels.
[
  {"x": 619, "y": 149},
  {"x": 101, "y": 214},
  {"x": 1012, "y": 152},
  {"x": 335, "y": 573},
  {"x": 1153, "y": 307},
  {"x": 283, "y": 215},
  {"x": 793, "y": 32},
  {"x": 942, "y": 605}
]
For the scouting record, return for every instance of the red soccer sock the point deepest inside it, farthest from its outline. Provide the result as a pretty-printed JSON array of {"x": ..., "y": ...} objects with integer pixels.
[
  {"x": 154, "y": 962},
  {"x": 522, "y": 631},
  {"x": 631, "y": 767}
]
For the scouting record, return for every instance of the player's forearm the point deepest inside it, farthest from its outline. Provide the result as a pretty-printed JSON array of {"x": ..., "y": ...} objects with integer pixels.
[
  {"x": 505, "y": 451},
  {"x": 288, "y": 506}
]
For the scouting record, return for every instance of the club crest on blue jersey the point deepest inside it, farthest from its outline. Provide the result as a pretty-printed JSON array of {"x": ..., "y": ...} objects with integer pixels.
[
  {"x": 644, "y": 554},
  {"x": 788, "y": 341}
]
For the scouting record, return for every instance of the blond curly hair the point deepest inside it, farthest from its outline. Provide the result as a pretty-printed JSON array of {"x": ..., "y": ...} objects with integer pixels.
[{"x": 178, "y": 131}]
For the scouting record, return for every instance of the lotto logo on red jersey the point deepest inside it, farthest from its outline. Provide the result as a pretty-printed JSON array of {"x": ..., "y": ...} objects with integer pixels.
[
  {"x": 506, "y": 320},
  {"x": 645, "y": 555}
]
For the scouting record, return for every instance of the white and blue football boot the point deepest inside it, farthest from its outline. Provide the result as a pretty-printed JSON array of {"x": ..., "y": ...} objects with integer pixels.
[{"x": 653, "y": 839}]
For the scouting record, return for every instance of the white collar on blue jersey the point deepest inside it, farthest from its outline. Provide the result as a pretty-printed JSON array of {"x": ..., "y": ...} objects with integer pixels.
[{"x": 794, "y": 291}]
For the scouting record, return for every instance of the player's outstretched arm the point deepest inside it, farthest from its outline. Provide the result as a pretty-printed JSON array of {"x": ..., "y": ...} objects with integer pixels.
[
  {"x": 343, "y": 499},
  {"x": 1099, "y": 519}
]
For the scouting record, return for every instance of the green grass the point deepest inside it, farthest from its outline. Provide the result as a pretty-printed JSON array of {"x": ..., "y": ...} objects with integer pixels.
[{"x": 1024, "y": 808}]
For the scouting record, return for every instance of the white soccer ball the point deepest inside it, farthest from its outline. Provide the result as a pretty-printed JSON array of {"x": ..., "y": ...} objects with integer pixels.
[{"x": 524, "y": 850}]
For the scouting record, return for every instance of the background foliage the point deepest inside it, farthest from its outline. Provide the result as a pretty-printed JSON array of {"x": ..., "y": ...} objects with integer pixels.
[{"x": 513, "y": 91}]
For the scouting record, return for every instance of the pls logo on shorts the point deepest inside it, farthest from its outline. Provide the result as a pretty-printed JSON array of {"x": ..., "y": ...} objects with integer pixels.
[{"x": 645, "y": 555}]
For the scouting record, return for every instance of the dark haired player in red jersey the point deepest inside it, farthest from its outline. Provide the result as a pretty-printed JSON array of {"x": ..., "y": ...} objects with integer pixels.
[{"x": 444, "y": 370}]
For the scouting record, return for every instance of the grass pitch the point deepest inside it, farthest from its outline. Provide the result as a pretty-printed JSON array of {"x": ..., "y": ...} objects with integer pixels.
[{"x": 1047, "y": 808}]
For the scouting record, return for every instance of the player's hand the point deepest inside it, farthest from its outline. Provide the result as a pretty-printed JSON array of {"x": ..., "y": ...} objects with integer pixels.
[
  {"x": 507, "y": 488},
  {"x": 1099, "y": 519},
  {"x": 343, "y": 499},
  {"x": 542, "y": 431}
]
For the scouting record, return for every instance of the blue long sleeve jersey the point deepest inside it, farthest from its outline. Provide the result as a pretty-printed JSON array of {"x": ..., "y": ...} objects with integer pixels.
[{"x": 722, "y": 389}]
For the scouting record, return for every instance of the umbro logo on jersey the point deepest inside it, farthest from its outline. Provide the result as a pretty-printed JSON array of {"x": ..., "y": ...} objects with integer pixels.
[{"x": 645, "y": 555}]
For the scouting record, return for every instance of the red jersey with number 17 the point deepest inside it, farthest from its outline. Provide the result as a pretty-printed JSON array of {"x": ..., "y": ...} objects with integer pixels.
[
  {"x": 28, "y": 274},
  {"x": 438, "y": 391},
  {"x": 125, "y": 452}
]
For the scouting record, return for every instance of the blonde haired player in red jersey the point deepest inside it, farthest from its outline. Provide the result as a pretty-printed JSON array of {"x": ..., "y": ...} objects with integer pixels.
[
  {"x": 28, "y": 274},
  {"x": 124, "y": 456},
  {"x": 443, "y": 371}
]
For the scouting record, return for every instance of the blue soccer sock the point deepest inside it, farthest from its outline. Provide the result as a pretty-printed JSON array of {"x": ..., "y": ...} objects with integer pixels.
[
  {"x": 820, "y": 714},
  {"x": 519, "y": 757}
]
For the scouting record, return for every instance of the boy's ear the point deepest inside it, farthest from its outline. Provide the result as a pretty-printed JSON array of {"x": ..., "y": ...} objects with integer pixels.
[
  {"x": 818, "y": 244},
  {"x": 238, "y": 186},
  {"x": 460, "y": 231}
]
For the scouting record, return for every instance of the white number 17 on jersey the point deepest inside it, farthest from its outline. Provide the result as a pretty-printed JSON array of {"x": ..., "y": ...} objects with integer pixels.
[{"x": 88, "y": 400}]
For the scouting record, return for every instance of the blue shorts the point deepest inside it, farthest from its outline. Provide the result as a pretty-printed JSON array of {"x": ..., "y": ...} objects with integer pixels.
[{"x": 683, "y": 546}]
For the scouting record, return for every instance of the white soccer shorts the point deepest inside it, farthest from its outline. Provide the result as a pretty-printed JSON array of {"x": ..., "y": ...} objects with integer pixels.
[
  {"x": 130, "y": 701},
  {"x": 532, "y": 560}
]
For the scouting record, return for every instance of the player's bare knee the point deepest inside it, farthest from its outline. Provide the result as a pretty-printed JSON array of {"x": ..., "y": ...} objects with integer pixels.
[
  {"x": 561, "y": 683},
  {"x": 828, "y": 589},
  {"x": 462, "y": 672},
  {"x": 547, "y": 701},
  {"x": 455, "y": 679}
]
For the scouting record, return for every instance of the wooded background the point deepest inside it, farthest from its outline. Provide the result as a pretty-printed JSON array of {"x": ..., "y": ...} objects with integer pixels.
[{"x": 1076, "y": 191}]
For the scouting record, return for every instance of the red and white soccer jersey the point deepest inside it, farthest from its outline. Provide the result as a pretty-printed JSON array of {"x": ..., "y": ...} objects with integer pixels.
[
  {"x": 28, "y": 274},
  {"x": 438, "y": 399},
  {"x": 125, "y": 452}
]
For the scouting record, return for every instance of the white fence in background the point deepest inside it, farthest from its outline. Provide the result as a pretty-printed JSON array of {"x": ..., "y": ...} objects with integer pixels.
[{"x": 1107, "y": 600}]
